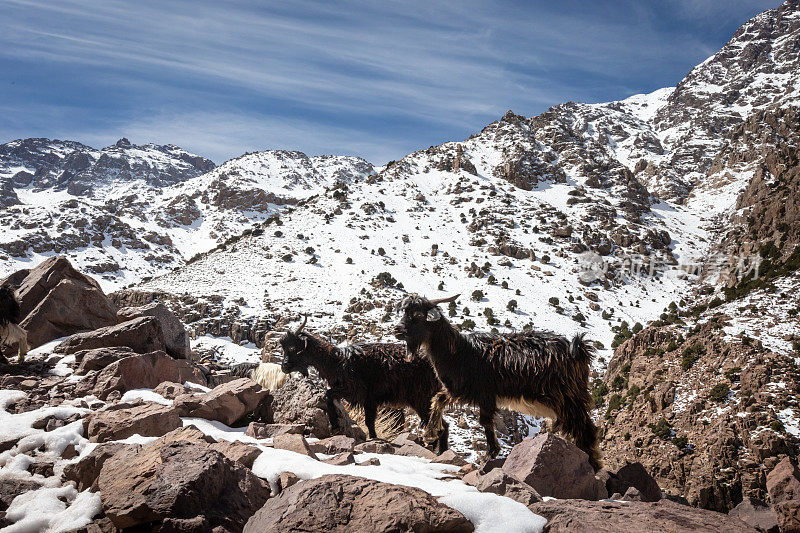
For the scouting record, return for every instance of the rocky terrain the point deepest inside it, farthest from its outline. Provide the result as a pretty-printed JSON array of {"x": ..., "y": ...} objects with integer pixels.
[
  {"x": 666, "y": 226},
  {"x": 115, "y": 428}
]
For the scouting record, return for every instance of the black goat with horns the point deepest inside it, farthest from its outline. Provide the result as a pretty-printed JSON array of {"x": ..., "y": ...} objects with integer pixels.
[
  {"x": 532, "y": 372},
  {"x": 367, "y": 375}
]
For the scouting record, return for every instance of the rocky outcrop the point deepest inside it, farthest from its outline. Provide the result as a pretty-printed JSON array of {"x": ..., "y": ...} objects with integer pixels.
[
  {"x": 176, "y": 340},
  {"x": 140, "y": 371},
  {"x": 756, "y": 514},
  {"x": 783, "y": 485},
  {"x": 226, "y": 403},
  {"x": 700, "y": 413},
  {"x": 142, "y": 335},
  {"x": 581, "y": 516},
  {"x": 554, "y": 467},
  {"x": 181, "y": 481},
  {"x": 57, "y": 300},
  {"x": 122, "y": 420},
  {"x": 347, "y": 503}
]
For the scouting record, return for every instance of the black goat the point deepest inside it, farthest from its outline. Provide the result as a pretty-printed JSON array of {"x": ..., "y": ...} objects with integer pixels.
[
  {"x": 10, "y": 317},
  {"x": 368, "y": 376},
  {"x": 532, "y": 372}
]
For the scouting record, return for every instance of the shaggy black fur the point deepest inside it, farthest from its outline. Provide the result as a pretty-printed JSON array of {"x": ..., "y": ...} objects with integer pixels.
[
  {"x": 480, "y": 368},
  {"x": 9, "y": 307},
  {"x": 367, "y": 375}
]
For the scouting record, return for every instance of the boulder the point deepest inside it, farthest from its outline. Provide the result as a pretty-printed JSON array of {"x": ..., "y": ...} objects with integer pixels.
[
  {"x": 554, "y": 467},
  {"x": 294, "y": 443},
  {"x": 341, "y": 459},
  {"x": 99, "y": 358},
  {"x": 171, "y": 390},
  {"x": 225, "y": 403},
  {"x": 57, "y": 300},
  {"x": 783, "y": 486},
  {"x": 632, "y": 475},
  {"x": 375, "y": 446},
  {"x": 334, "y": 445},
  {"x": 340, "y": 503},
  {"x": 450, "y": 457},
  {"x": 142, "y": 335},
  {"x": 415, "y": 450},
  {"x": 756, "y": 514},
  {"x": 258, "y": 430},
  {"x": 237, "y": 451},
  {"x": 120, "y": 421},
  {"x": 139, "y": 371},
  {"x": 581, "y": 516},
  {"x": 11, "y": 487},
  {"x": 498, "y": 482},
  {"x": 183, "y": 481},
  {"x": 84, "y": 472},
  {"x": 176, "y": 339},
  {"x": 302, "y": 401}
]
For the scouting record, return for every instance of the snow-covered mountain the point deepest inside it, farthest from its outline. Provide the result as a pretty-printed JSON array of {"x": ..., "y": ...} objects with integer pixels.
[
  {"x": 621, "y": 188},
  {"x": 127, "y": 212}
]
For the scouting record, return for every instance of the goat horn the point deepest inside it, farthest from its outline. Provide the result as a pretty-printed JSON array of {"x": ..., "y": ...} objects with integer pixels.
[
  {"x": 449, "y": 299},
  {"x": 305, "y": 319}
]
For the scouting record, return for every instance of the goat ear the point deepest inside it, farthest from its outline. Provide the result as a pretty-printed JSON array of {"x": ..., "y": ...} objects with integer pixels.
[{"x": 434, "y": 314}]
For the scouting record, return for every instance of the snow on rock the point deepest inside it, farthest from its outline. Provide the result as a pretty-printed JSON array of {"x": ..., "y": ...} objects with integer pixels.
[{"x": 52, "y": 510}]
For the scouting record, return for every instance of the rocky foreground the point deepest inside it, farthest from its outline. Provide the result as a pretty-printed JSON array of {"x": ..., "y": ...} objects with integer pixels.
[{"x": 110, "y": 425}]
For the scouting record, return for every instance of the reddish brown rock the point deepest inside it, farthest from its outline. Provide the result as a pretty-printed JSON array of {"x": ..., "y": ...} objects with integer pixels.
[
  {"x": 581, "y": 516},
  {"x": 632, "y": 475},
  {"x": 226, "y": 403},
  {"x": 84, "y": 473},
  {"x": 176, "y": 339},
  {"x": 142, "y": 335},
  {"x": 123, "y": 420},
  {"x": 451, "y": 458},
  {"x": 286, "y": 480},
  {"x": 340, "y": 503},
  {"x": 341, "y": 459},
  {"x": 783, "y": 485},
  {"x": 258, "y": 430},
  {"x": 415, "y": 450},
  {"x": 756, "y": 514},
  {"x": 179, "y": 481},
  {"x": 237, "y": 451},
  {"x": 498, "y": 482},
  {"x": 140, "y": 371},
  {"x": 294, "y": 443},
  {"x": 302, "y": 401},
  {"x": 554, "y": 467},
  {"x": 99, "y": 358},
  {"x": 172, "y": 390},
  {"x": 57, "y": 300},
  {"x": 335, "y": 444},
  {"x": 374, "y": 446}
]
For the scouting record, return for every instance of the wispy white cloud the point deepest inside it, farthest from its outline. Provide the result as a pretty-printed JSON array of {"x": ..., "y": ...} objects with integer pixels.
[{"x": 382, "y": 76}]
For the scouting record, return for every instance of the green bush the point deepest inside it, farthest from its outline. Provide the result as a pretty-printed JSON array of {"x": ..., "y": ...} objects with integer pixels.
[
  {"x": 467, "y": 324},
  {"x": 477, "y": 296},
  {"x": 690, "y": 356},
  {"x": 733, "y": 374},
  {"x": 681, "y": 442},
  {"x": 720, "y": 392},
  {"x": 776, "y": 425},
  {"x": 614, "y": 403},
  {"x": 511, "y": 305},
  {"x": 662, "y": 429},
  {"x": 553, "y": 301}
]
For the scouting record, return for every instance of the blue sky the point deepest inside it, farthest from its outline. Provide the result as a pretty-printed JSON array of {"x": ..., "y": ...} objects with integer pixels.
[{"x": 376, "y": 79}]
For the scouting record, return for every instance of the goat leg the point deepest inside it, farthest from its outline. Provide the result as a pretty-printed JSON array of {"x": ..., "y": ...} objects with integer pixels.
[
  {"x": 487, "y": 421},
  {"x": 333, "y": 414},
  {"x": 370, "y": 413},
  {"x": 442, "y": 443}
]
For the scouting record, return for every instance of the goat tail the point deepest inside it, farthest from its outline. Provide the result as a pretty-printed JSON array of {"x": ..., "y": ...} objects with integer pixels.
[
  {"x": 9, "y": 306},
  {"x": 581, "y": 351}
]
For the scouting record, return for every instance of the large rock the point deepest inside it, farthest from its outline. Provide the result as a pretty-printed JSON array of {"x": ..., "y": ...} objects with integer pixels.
[
  {"x": 183, "y": 481},
  {"x": 99, "y": 358},
  {"x": 581, "y": 516},
  {"x": 84, "y": 472},
  {"x": 498, "y": 482},
  {"x": 226, "y": 403},
  {"x": 554, "y": 467},
  {"x": 632, "y": 475},
  {"x": 757, "y": 514},
  {"x": 139, "y": 371},
  {"x": 57, "y": 300},
  {"x": 783, "y": 485},
  {"x": 302, "y": 401},
  {"x": 142, "y": 335},
  {"x": 122, "y": 420},
  {"x": 339, "y": 503},
  {"x": 175, "y": 337}
]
